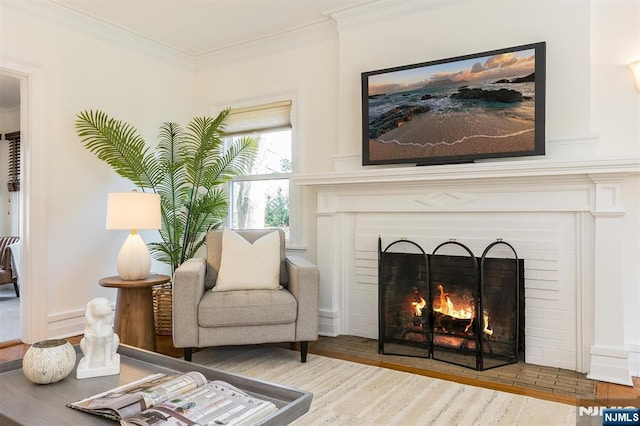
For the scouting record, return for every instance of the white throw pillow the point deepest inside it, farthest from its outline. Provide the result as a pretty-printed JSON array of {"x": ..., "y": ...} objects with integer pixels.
[{"x": 246, "y": 266}]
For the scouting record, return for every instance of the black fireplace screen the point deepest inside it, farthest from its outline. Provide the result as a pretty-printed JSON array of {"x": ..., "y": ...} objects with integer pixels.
[{"x": 450, "y": 305}]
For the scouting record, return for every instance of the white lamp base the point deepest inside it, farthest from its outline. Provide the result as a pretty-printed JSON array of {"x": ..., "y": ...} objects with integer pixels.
[{"x": 134, "y": 260}]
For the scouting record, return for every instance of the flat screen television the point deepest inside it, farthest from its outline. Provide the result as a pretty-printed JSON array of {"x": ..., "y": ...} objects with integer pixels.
[{"x": 485, "y": 105}]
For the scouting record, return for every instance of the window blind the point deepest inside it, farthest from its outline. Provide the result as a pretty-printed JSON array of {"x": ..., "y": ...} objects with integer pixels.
[
  {"x": 258, "y": 118},
  {"x": 13, "y": 181}
]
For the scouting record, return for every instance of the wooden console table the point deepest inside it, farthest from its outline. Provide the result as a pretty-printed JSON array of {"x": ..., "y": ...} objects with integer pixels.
[{"x": 134, "y": 322}]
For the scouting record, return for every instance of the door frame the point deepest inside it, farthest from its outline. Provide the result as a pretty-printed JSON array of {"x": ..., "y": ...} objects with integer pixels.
[{"x": 32, "y": 199}]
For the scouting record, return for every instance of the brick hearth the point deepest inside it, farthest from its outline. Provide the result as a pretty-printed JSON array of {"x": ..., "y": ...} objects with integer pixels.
[{"x": 549, "y": 383}]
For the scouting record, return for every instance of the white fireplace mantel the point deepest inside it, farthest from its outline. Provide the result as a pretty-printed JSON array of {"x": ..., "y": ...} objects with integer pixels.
[
  {"x": 509, "y": 169},
  {"x": 584, "y": 197}
]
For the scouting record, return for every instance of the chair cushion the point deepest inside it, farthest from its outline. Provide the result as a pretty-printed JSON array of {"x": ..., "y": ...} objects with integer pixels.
[
  {"x": 214, "y": 252},
  {"x": 250, "y": 307},
  {"x": 249, "y": 266}
]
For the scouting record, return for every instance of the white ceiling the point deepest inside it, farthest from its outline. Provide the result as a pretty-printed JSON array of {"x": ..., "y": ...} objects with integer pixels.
[{"x": 197, "y": 27}]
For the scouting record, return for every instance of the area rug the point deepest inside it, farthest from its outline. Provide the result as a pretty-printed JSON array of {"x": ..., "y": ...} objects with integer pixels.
[
  {"x": 348, "y": 393},
  {"x": 9, "y": 314}
]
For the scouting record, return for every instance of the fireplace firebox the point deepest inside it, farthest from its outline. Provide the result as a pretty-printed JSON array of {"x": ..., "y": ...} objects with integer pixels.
[{"x": 451, "y": 305}]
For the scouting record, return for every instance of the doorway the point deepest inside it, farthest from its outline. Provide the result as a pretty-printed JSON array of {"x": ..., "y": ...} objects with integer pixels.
[
  {"x": 10, "y": 202},
  {"x": 32, "y": 198}
]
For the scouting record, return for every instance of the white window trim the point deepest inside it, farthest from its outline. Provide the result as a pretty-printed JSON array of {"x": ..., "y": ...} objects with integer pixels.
[
  {"x": 265, "y": 176},
  {"x": 294, "y": 242}
]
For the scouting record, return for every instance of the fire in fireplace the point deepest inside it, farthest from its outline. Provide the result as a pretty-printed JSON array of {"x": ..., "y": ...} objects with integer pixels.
[{"x": 449, "y": 306}]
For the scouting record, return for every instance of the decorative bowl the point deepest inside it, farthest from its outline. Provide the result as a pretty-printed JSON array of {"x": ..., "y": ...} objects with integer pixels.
[{"x": 49, "y": 361}]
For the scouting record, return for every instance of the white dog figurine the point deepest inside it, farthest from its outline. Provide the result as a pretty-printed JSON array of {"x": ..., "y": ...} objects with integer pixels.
[{"x": 100, "y": 343}]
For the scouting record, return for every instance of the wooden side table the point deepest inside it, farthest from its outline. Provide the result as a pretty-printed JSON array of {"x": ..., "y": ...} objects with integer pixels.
[{"x": 133, "y": 321}]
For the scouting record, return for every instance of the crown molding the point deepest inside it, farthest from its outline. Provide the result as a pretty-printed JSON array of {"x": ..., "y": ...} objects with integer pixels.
[
  {"x": 273, "y": 43},
  {"x": 364, "y": 13},
  {"x": 371, "y": 12},
  {"x": 51, "y": 11}
]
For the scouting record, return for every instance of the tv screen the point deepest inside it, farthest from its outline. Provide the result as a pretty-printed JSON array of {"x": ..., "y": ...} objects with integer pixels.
[{"x": 484, "y": 105}]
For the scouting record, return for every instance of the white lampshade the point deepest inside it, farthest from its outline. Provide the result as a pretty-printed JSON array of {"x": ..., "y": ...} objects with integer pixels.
[{"x": 133, "y": 210}]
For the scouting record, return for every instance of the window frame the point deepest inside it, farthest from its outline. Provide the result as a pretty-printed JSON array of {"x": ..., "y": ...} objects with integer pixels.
[{"x": 295, "y": 195}]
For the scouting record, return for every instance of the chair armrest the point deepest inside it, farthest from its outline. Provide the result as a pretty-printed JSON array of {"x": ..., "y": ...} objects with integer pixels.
[
  {"x": 304, "y": 284},
  {"x": 6, "y": 259},
  {"x": 187, "y": 290}
]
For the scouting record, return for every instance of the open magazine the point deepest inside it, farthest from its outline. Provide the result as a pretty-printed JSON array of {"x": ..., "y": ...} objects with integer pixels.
[{"x": 183, "y": 399}]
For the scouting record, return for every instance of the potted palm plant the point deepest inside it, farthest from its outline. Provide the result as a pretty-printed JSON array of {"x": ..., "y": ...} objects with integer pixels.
[{"x": 187, "y": 169}]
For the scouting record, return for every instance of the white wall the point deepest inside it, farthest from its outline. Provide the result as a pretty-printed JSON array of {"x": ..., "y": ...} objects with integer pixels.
[
  {"x": 82, "y": 64},
  {"x": 9, "y": 120},
  {"x": 615, "y": 109}
]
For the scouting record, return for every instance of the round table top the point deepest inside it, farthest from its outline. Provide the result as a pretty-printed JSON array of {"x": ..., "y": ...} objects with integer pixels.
[{"x": 151, "y": 280}]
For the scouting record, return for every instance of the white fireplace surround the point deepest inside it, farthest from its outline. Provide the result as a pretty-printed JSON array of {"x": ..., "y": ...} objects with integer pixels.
[{"x": 566, "y": 219}]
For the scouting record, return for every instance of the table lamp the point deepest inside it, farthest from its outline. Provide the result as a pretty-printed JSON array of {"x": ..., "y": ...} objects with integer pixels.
[{"x": 133, "y": 210}]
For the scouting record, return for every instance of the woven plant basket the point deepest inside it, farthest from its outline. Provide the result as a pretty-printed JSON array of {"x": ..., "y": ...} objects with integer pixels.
[{"x": 162, "y": 305}]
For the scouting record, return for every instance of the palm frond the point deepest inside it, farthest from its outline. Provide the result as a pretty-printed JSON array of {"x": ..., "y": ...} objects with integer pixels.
[
  {"x": 206, "y": 212},
  {"x": 164, "y": 253},
  {"x": 118, "y": 144},
  {"x": 187, "y": 169},
  {"x": 202, "y": 143},
  {"x": 234, "y": 162},
  {"x": 171, "y": 187}
]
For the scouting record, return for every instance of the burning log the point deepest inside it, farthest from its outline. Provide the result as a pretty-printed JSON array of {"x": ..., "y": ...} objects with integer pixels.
[
  {"x": 447, "y": 324},
  {"x": 414, "y": 336},
  {"x": 464, "y": 310},
  {"x": 450, "y": 317}
]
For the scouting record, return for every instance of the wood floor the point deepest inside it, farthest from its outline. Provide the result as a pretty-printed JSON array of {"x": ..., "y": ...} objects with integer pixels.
[
  {"x": 16, "y": 349},
  {"x": 604, "y": 393},
  {"x": 552, "y": 384}
]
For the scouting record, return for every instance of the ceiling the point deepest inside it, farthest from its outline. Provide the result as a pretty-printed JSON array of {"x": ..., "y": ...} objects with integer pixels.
[{"x": 197, "y": 27}]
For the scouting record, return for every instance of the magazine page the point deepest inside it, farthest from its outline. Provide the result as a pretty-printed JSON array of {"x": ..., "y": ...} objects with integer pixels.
[
  {"x": 217, "y": 403},
  {"x": 132, "y": 398}
]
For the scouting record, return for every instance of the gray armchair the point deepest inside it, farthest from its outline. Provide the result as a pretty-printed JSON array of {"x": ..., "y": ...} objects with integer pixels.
[
  {"x": 8, "y": 274},
  {"x": 203, "y": 318}
]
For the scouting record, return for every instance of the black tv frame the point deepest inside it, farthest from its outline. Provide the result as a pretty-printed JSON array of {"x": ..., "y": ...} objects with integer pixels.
[{"x": 483, "y": 119}]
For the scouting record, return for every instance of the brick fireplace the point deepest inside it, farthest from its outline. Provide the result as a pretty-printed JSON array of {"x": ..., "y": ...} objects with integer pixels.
[
  {"x": 565, "y": 219},
  {"x": 457, "y": 307}
]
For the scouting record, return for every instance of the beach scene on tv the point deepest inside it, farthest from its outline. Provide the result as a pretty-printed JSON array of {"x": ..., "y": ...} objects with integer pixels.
[{"x": 471, "y": 107}]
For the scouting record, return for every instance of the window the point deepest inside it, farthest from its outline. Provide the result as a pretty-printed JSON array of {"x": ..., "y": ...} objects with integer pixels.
[{"x": 260, "y": 199}]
